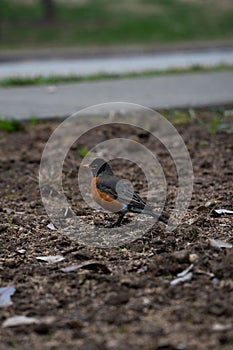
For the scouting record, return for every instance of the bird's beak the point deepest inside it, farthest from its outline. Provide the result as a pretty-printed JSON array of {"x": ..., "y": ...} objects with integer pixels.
[{"x": 87, "y": 166}]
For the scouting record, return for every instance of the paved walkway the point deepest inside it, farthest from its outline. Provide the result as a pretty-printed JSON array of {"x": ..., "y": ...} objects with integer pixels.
[
  {"x": 117, "y": 64},
  {"x": 171, "y": 91}
]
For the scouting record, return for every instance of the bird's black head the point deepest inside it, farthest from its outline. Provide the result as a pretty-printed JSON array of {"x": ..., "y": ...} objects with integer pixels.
[{"x": 100, "y": 167}]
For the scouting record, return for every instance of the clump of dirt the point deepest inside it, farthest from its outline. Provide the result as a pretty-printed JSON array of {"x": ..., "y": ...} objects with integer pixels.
[{"x": 129, "y": 300}]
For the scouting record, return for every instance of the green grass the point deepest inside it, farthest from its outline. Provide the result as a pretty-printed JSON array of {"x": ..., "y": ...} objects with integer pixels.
[
  {"x": 215, "y": 124},
  {"x": 35, "y": 120},
  {"x": 220, "y": 121},
  {"x": 10, "y": 125},
  {"x": 107, "y": 22},
  {"x": 213, "y": 120},
  {"x": 83, "y": 151},
  {"x": 203, "y": 143},
  {"x": 9, "y": 195},
  {"x": 56, "y": 79},
  {"x": 181, "y": 117}
]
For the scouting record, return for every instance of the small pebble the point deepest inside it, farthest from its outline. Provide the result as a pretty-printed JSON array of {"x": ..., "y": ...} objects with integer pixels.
[{"x": 193, "y": 258}]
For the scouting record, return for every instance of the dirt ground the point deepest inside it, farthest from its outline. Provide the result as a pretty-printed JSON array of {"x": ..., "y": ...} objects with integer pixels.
[{"x": 129, "y": 301}]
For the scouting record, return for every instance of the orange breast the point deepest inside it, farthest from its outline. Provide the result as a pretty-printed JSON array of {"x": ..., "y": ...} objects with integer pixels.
[{"x": 103, "y": 199}]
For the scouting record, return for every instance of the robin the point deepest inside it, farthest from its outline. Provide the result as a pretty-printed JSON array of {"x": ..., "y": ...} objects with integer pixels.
[{"x": 115, "y": 195}]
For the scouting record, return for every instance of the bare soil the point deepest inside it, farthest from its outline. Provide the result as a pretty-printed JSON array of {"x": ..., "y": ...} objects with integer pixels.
[{"x": 130, "y": 303}]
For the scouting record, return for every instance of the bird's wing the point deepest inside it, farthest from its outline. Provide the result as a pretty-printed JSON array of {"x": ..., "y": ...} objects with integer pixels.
[
  {"x": 120, "y": 190},
  {"x": 108, "y": 185}
]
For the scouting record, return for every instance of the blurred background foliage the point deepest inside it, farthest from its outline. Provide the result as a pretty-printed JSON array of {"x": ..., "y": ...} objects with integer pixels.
[{"x": 46, "y": 23}]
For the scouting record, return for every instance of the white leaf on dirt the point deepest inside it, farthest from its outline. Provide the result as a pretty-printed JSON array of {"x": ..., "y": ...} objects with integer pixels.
[
  {"x": 185, "y": 272},
  {"x": 51, "y": 226},
  {"x": 18, "y": 321},
  {"x": 5, "y": 295},
  {"x": 150, "y": 255},
  {"x": 89, "y": 265},
  {"x": 21, "y": 251},
  {"x": 223, "y": 211},
  {"x": 70, "y": 268},
  {"x": 218, "y": 327},
  {"x": 215, "y": 243},
  {"x": 51, "y": 258},
  {"x": 146, "y": 301},
  {"x": 184, "y": 278},
  {"x": 142, "y": 269}
]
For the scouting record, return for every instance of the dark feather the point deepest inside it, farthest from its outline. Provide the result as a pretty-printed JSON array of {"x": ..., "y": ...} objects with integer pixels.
[{"x": 119, "y": 189}]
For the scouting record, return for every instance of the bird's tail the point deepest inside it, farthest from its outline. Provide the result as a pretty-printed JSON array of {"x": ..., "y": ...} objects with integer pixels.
[{"x": 149, "y": 211}]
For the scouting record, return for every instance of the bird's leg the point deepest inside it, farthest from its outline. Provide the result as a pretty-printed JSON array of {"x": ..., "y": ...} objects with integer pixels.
[{"x": 119, "y": 221}]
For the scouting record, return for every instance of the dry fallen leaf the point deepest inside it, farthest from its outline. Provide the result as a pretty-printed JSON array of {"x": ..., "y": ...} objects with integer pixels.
[
  {"x": 183, "y": 273},
  {"x": 183, "y": 276},
  {"x": 51, "y": 226},
  {"x": 91, "y": 265},
  {"x": 218, "y": 327},
  {"x": 51, "y": 258},
  {"x": 223, "y": 211},
  {"x": 5, "y": 295},
  {"x": 219, "y": 244},
  {"x": 21, "y": 251},
  {"x": 18, "y": 321}
]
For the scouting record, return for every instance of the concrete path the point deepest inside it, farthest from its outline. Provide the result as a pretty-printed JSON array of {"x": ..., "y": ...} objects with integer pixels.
[
  {"x": 117, "y": 64},
  {"x": 171, "y": 91}
]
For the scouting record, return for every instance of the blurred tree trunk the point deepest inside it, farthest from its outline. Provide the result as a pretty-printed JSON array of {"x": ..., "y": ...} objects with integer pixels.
[{"x": 48, "y": 9}]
